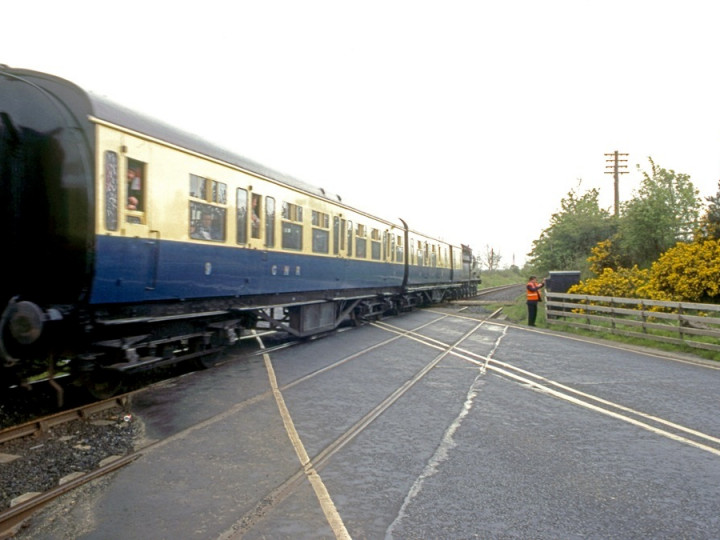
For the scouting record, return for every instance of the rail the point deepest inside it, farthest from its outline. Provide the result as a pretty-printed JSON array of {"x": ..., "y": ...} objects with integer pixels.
[
  {"x": 512, "y": 290},
  {"x": 43, "y": 424},
  {"x": 678, "y": 323}
]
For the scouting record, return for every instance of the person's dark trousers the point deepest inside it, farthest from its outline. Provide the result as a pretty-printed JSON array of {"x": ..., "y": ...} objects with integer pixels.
[{"x": 532, "y": 312}]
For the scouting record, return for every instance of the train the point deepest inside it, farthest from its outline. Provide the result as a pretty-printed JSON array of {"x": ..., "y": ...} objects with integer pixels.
[{"x": 130, "y": 244}]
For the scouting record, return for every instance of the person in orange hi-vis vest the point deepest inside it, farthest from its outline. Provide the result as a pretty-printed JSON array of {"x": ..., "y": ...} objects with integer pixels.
[{"x": 533, "y": 297}]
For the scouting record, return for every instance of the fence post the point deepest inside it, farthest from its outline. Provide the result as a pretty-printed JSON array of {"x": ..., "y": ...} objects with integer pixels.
[
  {"x": 680, "y": 322},
  {"x": 587, "y": 311}
]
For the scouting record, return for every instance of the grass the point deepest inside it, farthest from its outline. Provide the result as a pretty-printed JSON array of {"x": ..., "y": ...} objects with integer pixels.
[{"x": 498, "y": 278}]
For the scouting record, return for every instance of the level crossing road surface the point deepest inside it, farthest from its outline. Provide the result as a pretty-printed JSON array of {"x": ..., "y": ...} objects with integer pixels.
[{"x": 433, "y": 424}]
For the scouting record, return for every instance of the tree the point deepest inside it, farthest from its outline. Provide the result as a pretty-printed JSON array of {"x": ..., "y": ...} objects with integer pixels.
[
  {"x": 574, "y": 230},
  {"x": 605, "y": 254},
  {"x": 491, "y": 259},
  {"x": 710, "y": 221},
  {"x": 664, "y": 211}
]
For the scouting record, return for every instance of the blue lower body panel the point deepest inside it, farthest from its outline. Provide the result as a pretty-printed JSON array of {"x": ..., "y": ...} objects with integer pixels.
[{"x": 129, "y": 270}]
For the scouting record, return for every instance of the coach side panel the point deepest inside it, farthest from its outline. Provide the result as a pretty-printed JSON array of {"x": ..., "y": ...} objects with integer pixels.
[{"x": 172, "y": 225}]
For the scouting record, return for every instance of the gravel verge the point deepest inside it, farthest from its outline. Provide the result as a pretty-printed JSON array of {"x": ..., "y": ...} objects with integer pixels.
[{"x": 37, "y": 463}]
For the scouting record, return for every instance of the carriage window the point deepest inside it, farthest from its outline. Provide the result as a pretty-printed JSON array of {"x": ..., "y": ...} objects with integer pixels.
[
  {"x": 208, "y": 190},
  {"x": 269, "y": 222},
  {"x": 197, "y": 187},
  {"x": 360, "y": 242},
  {"x": 219, "y": 192},
  {"x": 420, "y": 253},
  {"x": 255, "y": 215},
  {"x": 111, "y": 191},
  {"x": 375, "y": 244},
  {"x": 292, "y": 212},
  {"x": 320, "y": 232},
  {"x": 320, "y": 219},
  {"x": 349, "y": 238},
  {"x": 207, "y": 222},
  {"x": 336, "y": 235},
  {"x": 433, "y": 257},
  {"x": 291, "y": 226},
  {"x": 399, "y": 255},
  {"x": 241, "y": 216},
  {"x": 135, "y": 188},
  {"x": 340, "y": 234}
]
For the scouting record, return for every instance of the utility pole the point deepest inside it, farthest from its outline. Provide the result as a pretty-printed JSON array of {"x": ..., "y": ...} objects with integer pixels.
[{"x": 616, "y": 164}]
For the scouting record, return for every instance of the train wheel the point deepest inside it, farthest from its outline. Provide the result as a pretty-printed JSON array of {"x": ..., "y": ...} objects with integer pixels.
[
  {"x": 208, "y": 361},
  {"x": 103, "y": 383},
  {"x": 357, "y": 320},
  {"x": 207, "y": 352}
]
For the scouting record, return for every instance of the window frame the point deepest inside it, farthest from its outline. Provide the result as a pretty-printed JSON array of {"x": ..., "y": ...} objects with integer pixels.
[{"x": 207, "y": 196}]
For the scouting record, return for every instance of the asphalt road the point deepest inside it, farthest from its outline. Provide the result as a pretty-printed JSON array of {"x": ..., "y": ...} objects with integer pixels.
[{"x": 458, "y": 429}]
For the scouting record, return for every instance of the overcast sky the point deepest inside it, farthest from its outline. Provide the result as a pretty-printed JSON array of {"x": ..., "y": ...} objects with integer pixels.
[{"x": 470, "y": 120}]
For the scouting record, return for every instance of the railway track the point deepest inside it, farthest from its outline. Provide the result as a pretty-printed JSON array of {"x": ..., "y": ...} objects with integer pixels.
[
  {"x": 45, "y": 423},
  {"x": 502, "y": 293}
]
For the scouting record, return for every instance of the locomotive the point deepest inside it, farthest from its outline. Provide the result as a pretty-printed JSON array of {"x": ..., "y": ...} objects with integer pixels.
[{"x": 130, "y": 244}]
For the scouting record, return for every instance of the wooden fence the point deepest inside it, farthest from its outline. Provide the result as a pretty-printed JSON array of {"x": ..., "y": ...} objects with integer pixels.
[{"x": 679, "y": 323}]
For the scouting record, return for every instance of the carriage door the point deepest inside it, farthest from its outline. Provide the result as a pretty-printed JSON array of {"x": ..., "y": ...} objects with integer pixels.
[
  {"x": 143, "y": 241},
  {"x": 340, "y": 237}
]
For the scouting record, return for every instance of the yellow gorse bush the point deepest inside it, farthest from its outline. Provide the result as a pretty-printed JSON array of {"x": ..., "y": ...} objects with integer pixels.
[
  {"x": 688, "y": 272},
  {"x": 620, "y": 283}
]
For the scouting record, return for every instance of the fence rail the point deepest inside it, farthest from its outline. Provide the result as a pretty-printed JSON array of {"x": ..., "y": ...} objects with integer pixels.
[{"x": 695, "y": 325}]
